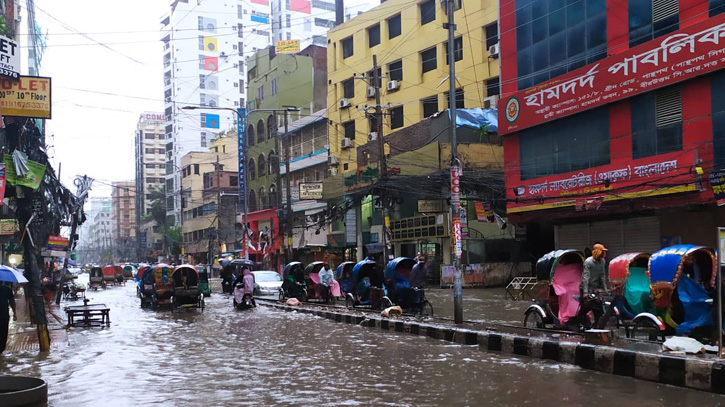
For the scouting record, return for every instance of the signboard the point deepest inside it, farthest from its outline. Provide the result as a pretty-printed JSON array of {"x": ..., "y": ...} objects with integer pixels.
[
  {"x": 717, "y": 182},
  {"x": 456, "y": 205},
  {"x": 142, "y": 238},
  {"x": 9, "y": 58},
  {"x": 31, "y": 179},
  {"x": 447, "y": 273},
  {"x": 9, "y": 226},
  {"x": 241, "y": 149},
  {"x": 721, "y": 243},
  {"x": 58, "y": 243},
  {"x": 464, "y": 223},
  {"x": 428, "y": 206},
  {"x": 2, "y": 182},
  {"x": 311, "y": 190},
  {"x": 287, "y": 47},
  {"x": 28, "y": 97},
  {"x": 685, "y": 54}
]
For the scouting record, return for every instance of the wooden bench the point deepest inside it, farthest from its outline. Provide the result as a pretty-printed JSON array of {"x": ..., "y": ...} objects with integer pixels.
[{"x": 88, "y": 315}]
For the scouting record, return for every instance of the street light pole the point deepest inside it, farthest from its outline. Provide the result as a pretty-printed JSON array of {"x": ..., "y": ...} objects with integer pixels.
[{"x": 289, "y": 218}]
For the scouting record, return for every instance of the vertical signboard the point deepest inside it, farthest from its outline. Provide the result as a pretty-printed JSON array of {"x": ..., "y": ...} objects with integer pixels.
[
  {"x": 721, "y": 266},
  {"x": 456, "y": 206},
  {"x": 242, "y": 154},
  {"x": 717, "y": 182}
]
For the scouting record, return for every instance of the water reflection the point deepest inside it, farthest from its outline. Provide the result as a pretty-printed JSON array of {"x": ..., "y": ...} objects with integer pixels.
[{"x": 267, "y": 357}]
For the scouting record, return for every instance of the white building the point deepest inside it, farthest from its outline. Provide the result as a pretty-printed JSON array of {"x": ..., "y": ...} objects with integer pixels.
[
  {"x": 204, "y": 47},
  {"x": 150, "y": 150}
]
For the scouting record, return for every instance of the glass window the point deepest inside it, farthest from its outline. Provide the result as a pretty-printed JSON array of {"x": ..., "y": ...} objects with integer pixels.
[
  {"x": 656, "y": 122},
  {"x": 374, "y": 35},
  {"x": 395, "y": 71},
  {"x": 716, "y": 7},
  {"x": 427, "y": 12},
  {"x": 491, "y": 32},
  {"x": 430, "y": 105},
  {"x": 348, "y": 88},
  {"x": 570, "y": 144},
  {"x": 394, "y": 26},
  {"x": 428, "y": 59},
  {"x": 492, "y": 87},
  {"x": 347, "y": 47},
  {"x": 718, "y": 118},
  {"x": 349, "y": 129},
  {"x": 397, "y": 118},
  {"x": 649, "y": 19},
  {"x": 457, "y": 49},
  {"x": 460, "y": 99}
]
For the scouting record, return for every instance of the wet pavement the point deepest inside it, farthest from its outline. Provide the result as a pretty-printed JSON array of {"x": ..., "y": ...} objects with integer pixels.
[{"x": 265, "y": 357}]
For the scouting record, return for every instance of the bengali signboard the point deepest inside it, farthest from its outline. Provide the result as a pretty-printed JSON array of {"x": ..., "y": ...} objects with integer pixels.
[
  {"x": 311, "y": 190},
  {"x": 9, "y": 226},
  {"x": 27, "y": 97},
  {"x": 685, "y": 54},
  {"x": 287, "y": 47},
  {"x": 717, "y": 182},
  {"x": 430, "y": 205}
]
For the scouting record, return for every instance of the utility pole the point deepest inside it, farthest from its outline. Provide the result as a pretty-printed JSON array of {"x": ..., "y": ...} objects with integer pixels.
[
  {"x": 289, "y": 217},
  {"x": 455, "y": 170},
  {"x": 377, "y": 79},
  {"x": 278, "y": 190}
]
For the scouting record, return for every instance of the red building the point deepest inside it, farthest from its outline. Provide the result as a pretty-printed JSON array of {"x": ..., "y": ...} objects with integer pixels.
[{"x": 613, "y": 118}]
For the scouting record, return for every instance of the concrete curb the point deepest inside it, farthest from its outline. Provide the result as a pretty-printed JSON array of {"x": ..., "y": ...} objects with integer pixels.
[{"x": 689, "y": 372}]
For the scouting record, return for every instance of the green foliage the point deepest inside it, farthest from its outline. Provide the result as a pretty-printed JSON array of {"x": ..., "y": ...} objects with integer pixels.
[{"x": 482, "y": 133}]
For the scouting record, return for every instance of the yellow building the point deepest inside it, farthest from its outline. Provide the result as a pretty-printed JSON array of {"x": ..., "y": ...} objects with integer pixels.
[{"x": 411, "y": 48}]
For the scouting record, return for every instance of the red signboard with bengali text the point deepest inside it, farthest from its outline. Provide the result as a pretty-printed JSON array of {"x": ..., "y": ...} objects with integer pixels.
[{"x": 682, "y": 55}]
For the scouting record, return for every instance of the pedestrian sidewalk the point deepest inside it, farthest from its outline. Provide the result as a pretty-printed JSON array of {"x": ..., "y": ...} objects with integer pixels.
[{"x": 23, "y": 335}]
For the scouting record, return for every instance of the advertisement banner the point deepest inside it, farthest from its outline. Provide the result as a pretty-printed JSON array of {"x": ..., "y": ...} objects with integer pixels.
[
  {"x": 456, "y": 206},
  {"x": 28, "y": 97},
  {"x": 9, "y": 58},
  {"x": 58, "y": 243},
  {"x": 2, "y": 182},
  {"x": 9, "y": 226},
  {"x": 689, "y": 52},
  {"x": 464, "y": 223},
  {"x": 32, "y": 179},
  {"x": 447, "y": 272},
  {"x": 717, "y": 182},
  {"x": 241, "y": 147},
  {"x": 310, "y": 190},
  {"x": 287, "y": 47}
]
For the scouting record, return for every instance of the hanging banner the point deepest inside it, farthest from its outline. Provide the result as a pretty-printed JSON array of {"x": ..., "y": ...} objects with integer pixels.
[
  {"x": 32, "y": 179},
  {"x": 717, "y": 182},
  {"x": 689, "y": 52},
  {"x": 58, "y": 243},
  {"x": 28, "y": 97},
  {"x": 456, "y": 206}
]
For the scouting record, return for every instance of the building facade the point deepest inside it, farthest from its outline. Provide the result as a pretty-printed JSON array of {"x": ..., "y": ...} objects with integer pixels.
[
  {"x": 411, "y": 48},
  {"x": 613, "y": 121},
  {"x": 150, "y": 174},
  {"x": 123, "y": 219},
  {"x": 204, "y": 49}
]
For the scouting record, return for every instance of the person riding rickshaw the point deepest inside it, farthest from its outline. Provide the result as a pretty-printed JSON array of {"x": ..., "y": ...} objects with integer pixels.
[
  {"x": 293, "y": 281},
  {"x": 409, "y": 298},
  {"x": 163, "y": 286},
  {"x": 325, "y": 291},
  {"x": 145, "y": 289},
  {"x": 368, "y": 286},
  {"x": 185, "y": 279}
]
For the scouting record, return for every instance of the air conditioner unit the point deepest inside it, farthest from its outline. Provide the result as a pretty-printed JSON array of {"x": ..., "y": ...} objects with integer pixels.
[
  {"x": 373, "y": 136},
  {"x": 490, "y": 102},
  {"x": 344, "y": 103},
  {"x": 236, "y": 84},
  {"x": 371, "y": 91},
  {"x": 393, "y": 85},
  {"x": 332, "y": 160},
  {"x": 236, "y": 65},
  {"x": 346, "y": 143},
  {"x": 494, "y": 50},
  {"x": 234, "y": 46},
  {"x": 331, "y": 172}
]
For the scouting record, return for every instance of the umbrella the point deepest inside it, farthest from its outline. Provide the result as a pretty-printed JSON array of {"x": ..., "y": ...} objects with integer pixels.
[{"x": 11, "y": 275}]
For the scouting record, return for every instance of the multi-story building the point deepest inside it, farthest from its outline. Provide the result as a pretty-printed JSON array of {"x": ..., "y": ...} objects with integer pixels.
[
  {"x": 204, "y": 48},
  {"x": 210, "y": 195},
  {"x": 123, "y": 219},
  {"x": 614, "y": 118},
  {"x": 411, "y": 48},
  {"x": 150, "y": 142},
  {"x": 87, "y": 244}
]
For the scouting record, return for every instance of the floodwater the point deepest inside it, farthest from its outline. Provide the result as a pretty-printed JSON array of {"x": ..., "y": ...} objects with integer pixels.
[{"x": 265, "y": 357}]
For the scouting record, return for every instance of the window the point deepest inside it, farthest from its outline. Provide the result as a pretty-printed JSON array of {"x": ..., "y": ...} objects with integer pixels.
[
  {"x": 460, "y": 99},
  {"x": 240, "y": 12},
  {"x": 233, "y": 181},
  {"x": 274, "y": 86},
  {"x": 323, "y": 5},
  {"x": 321, "y": 22},
  {"x": 202, "y": 80},
  {"x": 149, "y": 136},
  {"x": 569, "y": 144},
  {"x": 201, "y": 62},
  {"x": 261, "y": 166},
  {"x": 252, "y": 170},
  {"x": 373, "y": 123},
  {"x": 394, "y": 27},
  {"x": 428, "y": 59},
  {"x": 649, "y": 19},
  {"x": 397, "y": 118},
  {"x": 260, "y": 94},
  {"x": 491, "y": 32},
  {"x": 718, "y": 118},
  {"x": 553, "y": 39},
  {"x": 348, "y": 88},
  {"x": 241, "y": 86},
  {"x": 457, "y": 49},
  {"x": 374, "y": 76},
  {"x": 260, "y": 131},
  {"x": 492, "y": 87},
  {"x": 374, "y": 35},
  {"x": 289, "y": 21},
  {"x": 349, "y": 129},
  {"x": 656, "y": 122},
  {"x": 427, "y": 12},
  {"x": 347, "y": 47},
  {"x": 430, "y": 105},
  {"x": 250, "y": 136},
  {"x": 201, "y": 43},
  {"x": 395, "y": 71},
  {"x": 716, "y": 7}
]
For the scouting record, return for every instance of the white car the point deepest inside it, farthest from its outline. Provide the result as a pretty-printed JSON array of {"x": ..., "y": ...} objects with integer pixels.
[{"x": 267, "y": 282}]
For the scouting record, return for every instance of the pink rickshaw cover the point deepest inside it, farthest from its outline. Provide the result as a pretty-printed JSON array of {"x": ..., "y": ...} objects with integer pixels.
[{"x": 567, "y": 278}]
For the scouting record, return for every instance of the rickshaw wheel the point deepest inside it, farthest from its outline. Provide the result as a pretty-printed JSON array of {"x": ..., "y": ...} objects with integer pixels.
[
  {"x": 385, "y": 303},
  {"x": 533, "y": 320},
  {"x": 201, "y": 303},
  {"x": 349, "y": 303},
  {"x": 426, "y": 309},
  {"x": 646, "y": 329},
  {"x": 281, "y": 295}
]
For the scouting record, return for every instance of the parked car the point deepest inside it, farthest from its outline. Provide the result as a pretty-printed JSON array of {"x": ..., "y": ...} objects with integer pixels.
[{"x": 267, "y": 282}]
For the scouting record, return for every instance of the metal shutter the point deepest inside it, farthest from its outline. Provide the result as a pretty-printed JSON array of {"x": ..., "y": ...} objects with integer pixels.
[
  {"x": 610, "y": 234},
  {"x": 642, "y": 234},
  {"x": 668, "y": 106},
  {"x": 574, "y": 236},
  {"x": 663, "y": 9}
]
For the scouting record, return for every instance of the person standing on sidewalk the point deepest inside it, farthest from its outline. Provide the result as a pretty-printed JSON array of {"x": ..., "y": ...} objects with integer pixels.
[{"x": 7, "y": 299}]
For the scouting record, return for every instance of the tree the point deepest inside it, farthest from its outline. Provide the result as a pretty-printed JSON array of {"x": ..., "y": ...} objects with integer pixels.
[{"x": 170, "y": 232}]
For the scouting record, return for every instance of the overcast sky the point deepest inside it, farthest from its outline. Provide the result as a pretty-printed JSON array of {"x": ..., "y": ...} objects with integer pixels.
[{"x": 93, "y": 124}]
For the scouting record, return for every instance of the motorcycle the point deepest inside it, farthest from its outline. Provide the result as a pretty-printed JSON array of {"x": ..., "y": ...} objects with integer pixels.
[{"x": 243, "y": 301}]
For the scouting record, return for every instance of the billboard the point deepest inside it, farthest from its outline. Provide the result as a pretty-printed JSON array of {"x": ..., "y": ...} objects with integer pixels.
[
  {"x": 9, "y": 58},
  {"x": 311, "y": 190},
  {"x": 287, "y": 47},
  {"x": 682, "y": 55},
  {"x": 27, "y": 97}
]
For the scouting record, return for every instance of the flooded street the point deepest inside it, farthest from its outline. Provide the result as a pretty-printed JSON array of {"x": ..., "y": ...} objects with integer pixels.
[{"x": 266, "y": 357}]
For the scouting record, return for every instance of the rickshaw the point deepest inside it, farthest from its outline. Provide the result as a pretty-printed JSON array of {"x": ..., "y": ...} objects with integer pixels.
[
  {"x": 185, "y": 279},
  {"x": 368, "y": 287},
  {"x": 312, "y": 279},
  {"x": 410, "y": 299},
  {"x": 204, "y": 288},
  {"x": 110, "y": 274},
  {"x": 96, "y": 279},
  {"x": 556, "y": 301},
  {"x": 129, "y": 271},
  {"x": 683, "y": 283},
  {"x": 343, "y": 275},
  {"x": 145, "y": 289},
  {"x": 293, "y": 285},
  {"x": 163, "y": 286}
]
